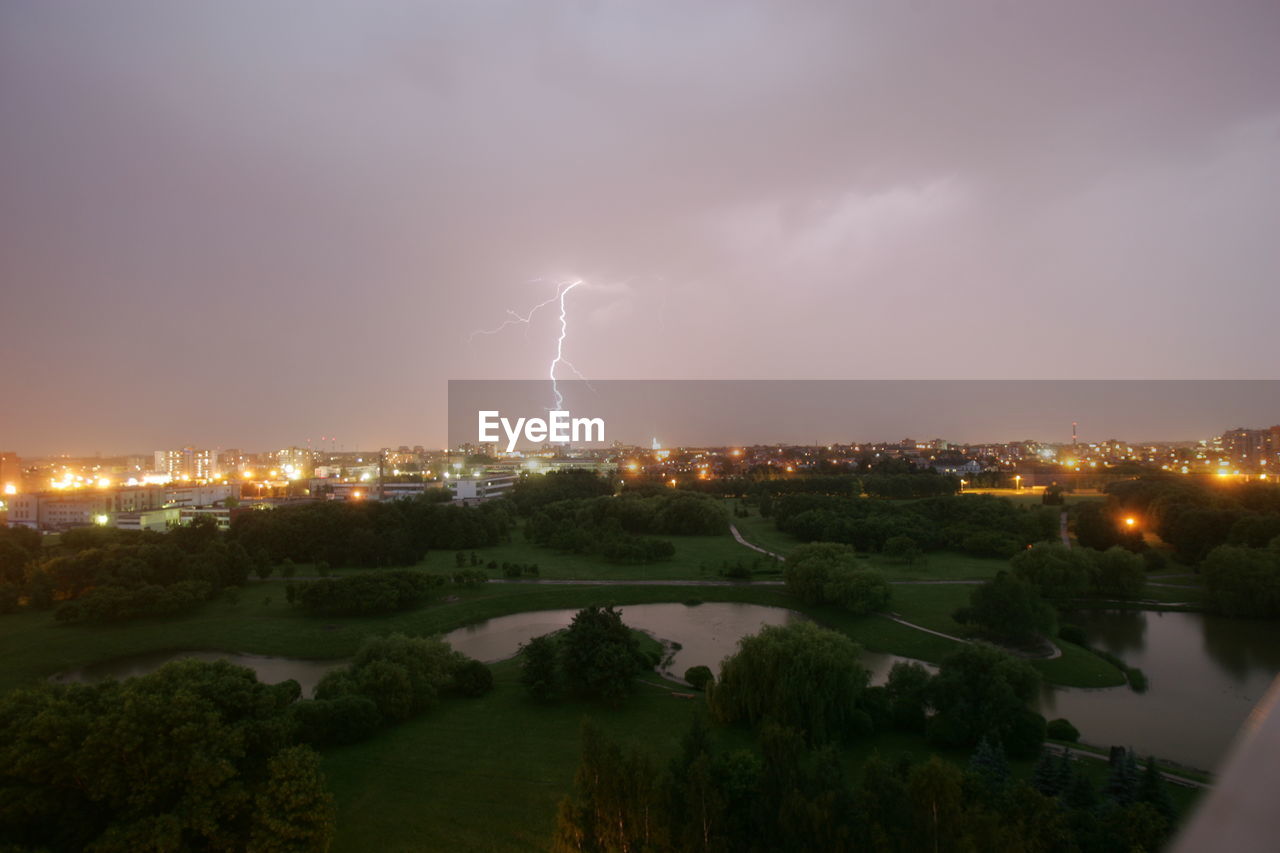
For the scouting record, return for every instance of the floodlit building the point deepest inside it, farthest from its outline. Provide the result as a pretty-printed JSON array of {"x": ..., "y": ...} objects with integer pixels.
[
  {"x": 483, "y": 488},
  {"x": 186, "y": 464}
]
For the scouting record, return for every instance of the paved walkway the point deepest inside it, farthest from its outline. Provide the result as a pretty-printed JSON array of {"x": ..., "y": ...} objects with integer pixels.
[
  {"x": 1062, "y": 527},
  {"x": 733, "y": 528}
]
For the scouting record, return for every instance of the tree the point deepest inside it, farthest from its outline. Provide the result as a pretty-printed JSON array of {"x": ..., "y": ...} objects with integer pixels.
[
  {"x": 615, "y": 803},
  {"x": 1243, "y": 581},
  {"x": 1118, "y": 573},
  {"x": 540, "y": 668},
  {"x": 1153, "y": 791},
  {"x": 903, "y": 548},
  {"x": 699, "y": 677},
  {"x": 989, "y": 766},
  {"x": 797, "y": 675},
  {"x": 1057, "y": 572},
  {"x": 193, "y": 756},
  {"x": 294, "y": 812},
  {"x": 826, "y": 572},
  {"x": 908, "y": 690},
  {"x": 1121, "y": 787},
  {"x": 599, "y": 655},
  {"x": 981, "y": 691},
  {"x": 1008, "y": 609}
]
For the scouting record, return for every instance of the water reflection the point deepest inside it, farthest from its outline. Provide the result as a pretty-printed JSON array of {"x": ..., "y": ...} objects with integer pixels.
[
  {"x": 270, "y": 670},
  {"x": 1120, "y": 632},
  {"x": 706, "y": 633},
  {"x": 1205, "y": 675}
]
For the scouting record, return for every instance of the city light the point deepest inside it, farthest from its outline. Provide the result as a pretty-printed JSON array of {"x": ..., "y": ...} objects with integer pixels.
[
  {"x": 1130, "y": 521},
  {"x": 10, "y": 489},
  {"x": 101, "y": 520}
]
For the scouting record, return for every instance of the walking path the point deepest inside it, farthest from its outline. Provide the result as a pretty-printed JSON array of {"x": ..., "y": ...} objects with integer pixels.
[
  {"x": 733, "y": 528},
  {"x": 1053, "y": 655},
  {"x": 1172, "y": 777},
  {"x": 1062, "y": 527}
]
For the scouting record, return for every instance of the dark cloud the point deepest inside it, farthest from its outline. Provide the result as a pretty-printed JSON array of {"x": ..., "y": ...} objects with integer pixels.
[{"x": 247, "y": 223}]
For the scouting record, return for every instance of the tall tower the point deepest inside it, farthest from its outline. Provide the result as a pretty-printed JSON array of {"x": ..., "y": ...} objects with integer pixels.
[{"x": 1073, "y": 433}]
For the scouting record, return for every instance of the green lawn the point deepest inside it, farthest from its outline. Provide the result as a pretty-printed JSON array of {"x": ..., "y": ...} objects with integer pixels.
[{"x": 486, "y": 774}]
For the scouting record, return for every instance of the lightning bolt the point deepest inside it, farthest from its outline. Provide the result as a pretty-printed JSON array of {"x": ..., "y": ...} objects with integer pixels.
[
  {"x": 515, "y": 318},
  {"x": 564, "y": 331}
]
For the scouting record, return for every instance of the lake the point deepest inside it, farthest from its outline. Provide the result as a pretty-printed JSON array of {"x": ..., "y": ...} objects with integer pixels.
[{"x": 1205, "y": 674}]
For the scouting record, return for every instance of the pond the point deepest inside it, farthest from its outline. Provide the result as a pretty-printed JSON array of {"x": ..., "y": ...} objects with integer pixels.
[
  {"x": 270, "y": 670},
  {"x": 1205, "y": 674},
  {"x": 707, "y": 633}
]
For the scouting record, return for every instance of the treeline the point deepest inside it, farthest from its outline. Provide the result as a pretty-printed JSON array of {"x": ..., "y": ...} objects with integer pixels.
[
  {"x": 1195, "y": 516},
  {"x": 102, "y": 575},
  {"x": 370, "y": 534},
  {"x": 791, "y": 796},
  {"x": 597, "y": 656},
  {"x": 980, "y": 525},
  {"x": 1017, "y": 607},
  {"x": 1229, "y": 532},
  {"x": 368, "y": 593},
  {"x": 533, "y": 491},
  {"x": 621, "y": 529}
]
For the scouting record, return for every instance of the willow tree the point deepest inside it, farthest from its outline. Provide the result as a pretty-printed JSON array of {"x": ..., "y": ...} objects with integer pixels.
[{"x": 798, "y": 675}]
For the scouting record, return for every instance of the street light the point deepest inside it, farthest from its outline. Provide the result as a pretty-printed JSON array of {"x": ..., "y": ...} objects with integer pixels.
[{"x": 1017, "y": 482}]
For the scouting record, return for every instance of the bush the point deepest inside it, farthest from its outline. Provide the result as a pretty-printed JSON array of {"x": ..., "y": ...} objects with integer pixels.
[
  {"x": 698, "y": 677},
  {"x": 1061, "y": 729},
  {"x": 1073, "y": 634},
  {"x": 471, "y": 678},
  {"x": 116, "y": 604},
  {"x": 366, "y": 594}
]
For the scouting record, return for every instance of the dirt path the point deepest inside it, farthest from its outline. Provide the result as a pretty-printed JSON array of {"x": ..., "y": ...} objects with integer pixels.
[{"x": 1055, "y": 654}]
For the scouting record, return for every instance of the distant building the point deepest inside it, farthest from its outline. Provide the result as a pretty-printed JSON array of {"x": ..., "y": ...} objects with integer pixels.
[
  {"x": 475, "y": 489},
  {"x": 59, "y": 511},
  {"x": 960, "y": 467},
  {"x": 186, "y": 464},
  {"x": 151, "y": 519}
]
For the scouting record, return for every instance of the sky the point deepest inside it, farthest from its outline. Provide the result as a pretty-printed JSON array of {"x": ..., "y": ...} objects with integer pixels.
[{"x": 247, "y": 224}]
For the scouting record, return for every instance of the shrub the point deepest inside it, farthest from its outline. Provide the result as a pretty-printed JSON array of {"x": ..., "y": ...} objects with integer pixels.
[
  {"x": 698, "y": 677},
  {"x": 471, "y": 678},
  {"x": 1061, "y": 729}
]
